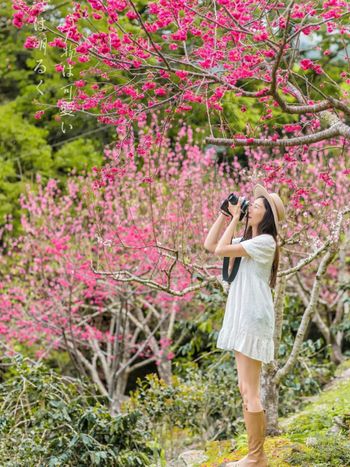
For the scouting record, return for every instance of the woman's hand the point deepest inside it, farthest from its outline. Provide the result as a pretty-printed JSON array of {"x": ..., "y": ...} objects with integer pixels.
[{"x": 235, "y": 209}]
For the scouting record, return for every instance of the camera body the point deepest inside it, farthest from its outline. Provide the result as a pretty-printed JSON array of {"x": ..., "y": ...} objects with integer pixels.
[{"x": 233, "y": 199}]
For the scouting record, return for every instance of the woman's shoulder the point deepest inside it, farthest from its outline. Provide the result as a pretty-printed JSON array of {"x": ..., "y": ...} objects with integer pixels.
[
  {"x": 267, "y": 236},
  {"x": 265, "y": 240},
  {"x": 258, "y": 239}
]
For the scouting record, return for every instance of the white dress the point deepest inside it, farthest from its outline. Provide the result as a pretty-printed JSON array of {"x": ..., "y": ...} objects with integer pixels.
[{"x": 249, "y": 321}]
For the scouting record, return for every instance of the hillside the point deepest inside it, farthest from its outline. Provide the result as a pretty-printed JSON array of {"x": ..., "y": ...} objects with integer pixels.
[{"x": 318, "y": 435}]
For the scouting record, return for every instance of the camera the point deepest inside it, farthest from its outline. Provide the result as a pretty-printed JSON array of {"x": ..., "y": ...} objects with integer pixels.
[{"x": 233, "y": 199}]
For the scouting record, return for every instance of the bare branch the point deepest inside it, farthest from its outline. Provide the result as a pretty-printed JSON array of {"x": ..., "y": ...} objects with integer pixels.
[{"x": 338, "y": 129}]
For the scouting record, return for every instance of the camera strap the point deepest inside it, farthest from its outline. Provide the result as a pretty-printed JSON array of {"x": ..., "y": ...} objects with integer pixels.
[{"x": 235, "y": 267}]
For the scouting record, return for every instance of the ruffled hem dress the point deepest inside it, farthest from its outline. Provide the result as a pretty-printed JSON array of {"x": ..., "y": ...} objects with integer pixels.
[{"x": 249, "y": 321}]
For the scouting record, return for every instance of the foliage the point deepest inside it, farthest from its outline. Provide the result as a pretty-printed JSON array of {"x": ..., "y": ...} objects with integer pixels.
[
  {"x": 77, "y": 156},
  {"x": 205, "y": 403},
  {"x": 23, "y": 152},
  {"x": 324, "y": 451},
  {"x": 196, "y": 337},
  {"x": 54, "y": 421}
]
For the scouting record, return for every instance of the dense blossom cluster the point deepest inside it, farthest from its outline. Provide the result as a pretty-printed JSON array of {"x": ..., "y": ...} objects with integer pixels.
[{"x": 188, "y": 53}]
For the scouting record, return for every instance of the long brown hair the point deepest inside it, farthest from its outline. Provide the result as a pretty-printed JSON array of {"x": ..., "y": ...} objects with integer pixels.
[{"x": 266, "y": 226}]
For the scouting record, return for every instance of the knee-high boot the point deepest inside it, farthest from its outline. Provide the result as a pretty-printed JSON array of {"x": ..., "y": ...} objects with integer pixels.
[{"x": 255, "y": 423}]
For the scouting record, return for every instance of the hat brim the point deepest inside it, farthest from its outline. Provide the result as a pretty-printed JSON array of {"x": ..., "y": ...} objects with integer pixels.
[{"x": 259, "y": 190}]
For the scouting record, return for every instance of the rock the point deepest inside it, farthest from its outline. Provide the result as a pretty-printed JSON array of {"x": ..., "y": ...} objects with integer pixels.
[
  {"x": 311, "y": 441},
  {"x": 192, "y": 457}
]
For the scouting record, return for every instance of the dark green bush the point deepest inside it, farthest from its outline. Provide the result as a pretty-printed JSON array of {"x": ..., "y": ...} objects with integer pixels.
[
  {"x": 205, "y": 403},
  {"x": 50, "y": 420}
]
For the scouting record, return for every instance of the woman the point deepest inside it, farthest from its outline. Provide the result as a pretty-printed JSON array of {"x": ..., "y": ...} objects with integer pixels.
[{"x": 249, "y": 321}]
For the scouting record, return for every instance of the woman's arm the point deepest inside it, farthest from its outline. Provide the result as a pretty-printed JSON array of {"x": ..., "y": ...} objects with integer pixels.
[
  {"x": 224, "y": 247},
  {"x": 213, "y": 235}
]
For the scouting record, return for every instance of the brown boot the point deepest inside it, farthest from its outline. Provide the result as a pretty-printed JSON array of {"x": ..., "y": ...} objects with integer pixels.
[{"x": 256, "y": 429}]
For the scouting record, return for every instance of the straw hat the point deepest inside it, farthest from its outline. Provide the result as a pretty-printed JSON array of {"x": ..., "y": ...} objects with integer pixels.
[{"x": 275, "y": 202}]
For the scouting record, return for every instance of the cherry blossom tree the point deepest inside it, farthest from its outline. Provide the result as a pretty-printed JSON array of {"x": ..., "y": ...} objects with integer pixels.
[
  {"x": 103, "y": 274},
  {"x": 178, "y": 55}
]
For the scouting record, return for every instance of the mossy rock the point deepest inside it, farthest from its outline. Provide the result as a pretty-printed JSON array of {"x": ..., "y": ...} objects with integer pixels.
[{"x": 326, "y": 413}]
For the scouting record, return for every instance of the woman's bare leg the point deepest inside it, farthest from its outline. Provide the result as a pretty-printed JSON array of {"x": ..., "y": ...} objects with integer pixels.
[{"x": 249, "y": 371}]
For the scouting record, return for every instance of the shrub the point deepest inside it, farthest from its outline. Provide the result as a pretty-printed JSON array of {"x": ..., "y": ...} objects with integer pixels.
[
  {"x": 205, "y": 403},
  {"x": 47, "y": 419},
  {"x": 323, "y": 451}
]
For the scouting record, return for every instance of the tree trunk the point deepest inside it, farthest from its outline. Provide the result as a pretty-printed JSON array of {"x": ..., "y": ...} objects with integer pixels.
[
  {"x": 164, "y": 370},
  {"x": 118, "y": 395},
  {"x": 269, "y": 394}
]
